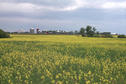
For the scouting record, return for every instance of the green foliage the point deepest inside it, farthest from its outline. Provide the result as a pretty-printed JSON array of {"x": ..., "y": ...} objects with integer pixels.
[
  {"x": 121, "y": 36},
  {"x": 82, "y": 31},
  {"x": 62, "y": 59},
  {"x": 88, "y": 31},
  {"x": 3, "y": 34},
  {"x": 107, "y": 36},
  {"x": 96, "y": 35}
]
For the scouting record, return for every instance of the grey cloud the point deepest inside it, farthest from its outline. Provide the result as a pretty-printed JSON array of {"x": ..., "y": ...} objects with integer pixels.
[
  {"x": 70, "y": 14},
  {"x": 60, "y": 3},
  {"x": 32, "y": 6}
]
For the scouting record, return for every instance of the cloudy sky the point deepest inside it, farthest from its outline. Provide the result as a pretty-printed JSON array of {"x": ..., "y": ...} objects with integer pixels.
[{"x": 105, "y": 15}]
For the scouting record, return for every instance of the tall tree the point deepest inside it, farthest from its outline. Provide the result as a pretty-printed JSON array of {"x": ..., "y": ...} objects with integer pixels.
[
  {"x": 82, "y": 31},
  {"x": 94, "y": 29},
  {"x": 89, "y": 31}
]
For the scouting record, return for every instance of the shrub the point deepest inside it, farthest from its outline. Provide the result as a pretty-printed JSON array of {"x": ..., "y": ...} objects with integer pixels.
[
  {"x": 84, "y": 35},
  {"x": 121, "y": 36},
  {"x": 4, "y": 34},
  {"x": 107, "y": 36},
  {"x": 97, "y": 35}
]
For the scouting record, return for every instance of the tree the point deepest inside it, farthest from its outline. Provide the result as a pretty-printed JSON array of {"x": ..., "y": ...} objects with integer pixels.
[
  {"x": 82, "y": 31},
  {"x": 94, "y": 29},
  {"x": 4, "y": 34},
  {"x": 121, "y": 36},
  {"x": 90, "y": 31}
]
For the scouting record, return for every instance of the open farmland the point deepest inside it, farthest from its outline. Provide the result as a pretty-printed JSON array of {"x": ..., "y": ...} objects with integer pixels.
[{"x": 62, "y": 59}]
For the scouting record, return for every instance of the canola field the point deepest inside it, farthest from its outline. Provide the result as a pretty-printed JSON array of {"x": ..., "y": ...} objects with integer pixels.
[{"x": 62, "y": 59}]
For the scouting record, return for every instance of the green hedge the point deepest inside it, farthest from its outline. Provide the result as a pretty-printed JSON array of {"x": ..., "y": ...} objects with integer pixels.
[
  {"x": 121, "y": 36},
  {"x": 4, "y": 34}
]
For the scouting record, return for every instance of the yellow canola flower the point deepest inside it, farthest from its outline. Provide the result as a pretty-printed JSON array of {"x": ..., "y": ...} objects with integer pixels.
[
  {"x": 9, "y": 81},
  {"x": 57, "y": 76},
  {"x": 80, "y": 77},
  {"x": 42, "y": 77},
  {"x": 89, "y": 72},
  {"x": 53, "y": 81},
  {"x": 59, "y": 82},
  {"x": 88, "y": 82}
]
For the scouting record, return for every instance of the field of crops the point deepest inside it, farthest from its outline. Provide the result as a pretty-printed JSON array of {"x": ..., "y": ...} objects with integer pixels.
[{"x": 62, "y": 59}]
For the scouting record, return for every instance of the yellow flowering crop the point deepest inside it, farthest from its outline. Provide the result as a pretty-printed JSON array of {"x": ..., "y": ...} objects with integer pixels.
[{"x": 62, "y": 59}]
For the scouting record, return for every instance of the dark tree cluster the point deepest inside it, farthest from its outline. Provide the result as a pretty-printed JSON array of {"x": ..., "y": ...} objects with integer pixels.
[
  {"x": 121, "y": 36},
  {"x": 4, "y": 34},
  {"x": 89, "y": 31}
]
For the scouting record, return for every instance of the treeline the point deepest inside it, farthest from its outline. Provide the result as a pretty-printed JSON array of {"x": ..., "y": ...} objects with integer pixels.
[
  {"x": 4, "y": 34},
  {"x": 90, "y": 31}
]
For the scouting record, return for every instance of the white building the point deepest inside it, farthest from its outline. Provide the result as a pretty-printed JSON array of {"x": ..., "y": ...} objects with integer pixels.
[{"x": 32, "y": 30}]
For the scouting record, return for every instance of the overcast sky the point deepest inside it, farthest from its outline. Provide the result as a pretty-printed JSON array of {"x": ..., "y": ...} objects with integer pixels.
[{"x": 105, "y": 15}]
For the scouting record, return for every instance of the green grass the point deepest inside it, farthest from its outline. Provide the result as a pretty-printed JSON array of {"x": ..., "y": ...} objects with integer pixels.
[{"x": 62, "y": 59}]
